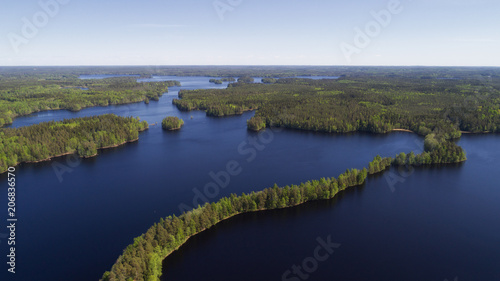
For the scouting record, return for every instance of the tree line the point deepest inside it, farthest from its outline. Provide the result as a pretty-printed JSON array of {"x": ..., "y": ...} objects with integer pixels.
[
  {"x": 142, "y": 260},
  {"x": 172, "y": 123},
  {"x": 375, "y": 104},
  {"x": 24, "y": 95},
  {"x": 82, "y": 136}
]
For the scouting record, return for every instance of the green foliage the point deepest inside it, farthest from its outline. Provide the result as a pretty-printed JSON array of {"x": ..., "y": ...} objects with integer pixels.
[
  {"x": 22, "y": 95},
  {"x": 256, "y": 123},
  {"x": 83, "y": 136},
  {"x": 379, "y": 164},
  {"x": 172, "y": 123},
  {"x": 245, "y": 79},
  {"x": 371, "y": 102},
  {"x": 142, "y": 260},
  {"x": 269, "y": 80},
  {"x": 216, "y": 81},
  {"x": 437, "y": 151}
]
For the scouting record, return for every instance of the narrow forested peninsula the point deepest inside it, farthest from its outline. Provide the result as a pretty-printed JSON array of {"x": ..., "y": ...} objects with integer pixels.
[
  {"x": 142, "y": 260},
  {"x": 83, "y": 136},
  {"x": 172, "y": 123},
  {"x": 22, "y": 94}
]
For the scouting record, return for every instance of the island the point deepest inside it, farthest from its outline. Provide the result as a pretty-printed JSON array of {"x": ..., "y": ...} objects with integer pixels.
[
  {"x": 172, "y": 123},
  {"x": 245, "y": 79},
  {"x": 81, "y": 136},
  {"x": 215, "y": 81},
  {"x": 269, "y": 80},
  {"x": 219, "y": 81}
]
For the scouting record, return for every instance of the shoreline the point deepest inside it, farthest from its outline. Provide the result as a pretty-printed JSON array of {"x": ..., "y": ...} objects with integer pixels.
[
  {"x": 57, "y": 109},
  {"x": 163, "y": 257},
  {"x": 74, "y": 152},
  {"x": 402, "y": 130},
  {"x": 476, "y": 133}
]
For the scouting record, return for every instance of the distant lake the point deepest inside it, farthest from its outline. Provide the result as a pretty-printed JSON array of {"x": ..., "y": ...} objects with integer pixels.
[
  {"x": 102, "y": 76},
  {"x": 438, "y": 223}
]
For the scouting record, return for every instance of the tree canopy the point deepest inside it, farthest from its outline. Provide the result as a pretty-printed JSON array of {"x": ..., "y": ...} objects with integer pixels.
[{"x": 83, "y": 136}]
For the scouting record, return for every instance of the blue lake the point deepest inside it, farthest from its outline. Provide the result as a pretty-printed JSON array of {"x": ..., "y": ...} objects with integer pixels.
[{"x": 76, "y": 216}]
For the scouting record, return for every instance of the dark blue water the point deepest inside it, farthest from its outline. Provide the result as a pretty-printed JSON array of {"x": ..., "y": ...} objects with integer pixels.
[
  {"x": 76, "y": 216},
  {"x": 440, "y": 223}
]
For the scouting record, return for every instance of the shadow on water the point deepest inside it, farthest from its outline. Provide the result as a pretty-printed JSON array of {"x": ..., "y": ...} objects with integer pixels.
[{"x": 242, "y": 221}]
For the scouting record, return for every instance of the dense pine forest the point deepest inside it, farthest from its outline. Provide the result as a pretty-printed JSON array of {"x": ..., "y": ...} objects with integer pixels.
[
  {"x": 22, "y": 95},
  {"x": 83, "y": 136}
]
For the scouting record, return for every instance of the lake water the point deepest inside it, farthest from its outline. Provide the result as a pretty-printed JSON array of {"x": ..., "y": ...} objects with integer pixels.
[{"x": 76, "y": 217}]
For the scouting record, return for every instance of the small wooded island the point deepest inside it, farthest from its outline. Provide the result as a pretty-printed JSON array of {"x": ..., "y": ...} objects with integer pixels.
[
  {"x": 172, "y": 123},
  {"x": 219, "y": 81}
]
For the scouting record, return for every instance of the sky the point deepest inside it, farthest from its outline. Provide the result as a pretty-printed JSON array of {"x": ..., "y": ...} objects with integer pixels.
[{"x": 250, "y": 32}]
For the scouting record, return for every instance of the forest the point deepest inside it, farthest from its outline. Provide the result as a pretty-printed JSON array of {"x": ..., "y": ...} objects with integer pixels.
[
  {"x": 439, "y": 109},
  {"x": 142, "y": 260},
  {"x": 375, "y": 104},
  {"x": 83, "y": 136},
  {"x": 22, "y": 95},
  {"x": 171, "y": 123}
]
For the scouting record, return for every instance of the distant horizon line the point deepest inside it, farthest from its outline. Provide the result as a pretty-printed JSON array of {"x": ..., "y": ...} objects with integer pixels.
[{"x": 244, "y": 65}]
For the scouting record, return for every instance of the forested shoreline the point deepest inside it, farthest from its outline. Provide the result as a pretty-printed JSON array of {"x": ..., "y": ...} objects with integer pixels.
[
  {"x": 376, "y": 104},
  {"x": 25, "y": 95},
  {"x": 82, "y": 136}
]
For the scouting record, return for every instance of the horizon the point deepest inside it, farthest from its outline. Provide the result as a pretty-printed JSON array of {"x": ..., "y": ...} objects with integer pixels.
[{"x": 249, "y": 65}]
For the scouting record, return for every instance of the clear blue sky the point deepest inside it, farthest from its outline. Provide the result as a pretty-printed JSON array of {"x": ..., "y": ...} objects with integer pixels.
[{"x": 256, "y": 32}]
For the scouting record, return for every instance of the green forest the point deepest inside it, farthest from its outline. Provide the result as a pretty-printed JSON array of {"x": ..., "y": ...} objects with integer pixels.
[
  {"x": 83, "y": 136},
  {"x": 142, "y": 260},
  {"x": 25, "y": 94},
  {"x": 375, "y": 104},
  {"x": 172, "y": 123}
]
